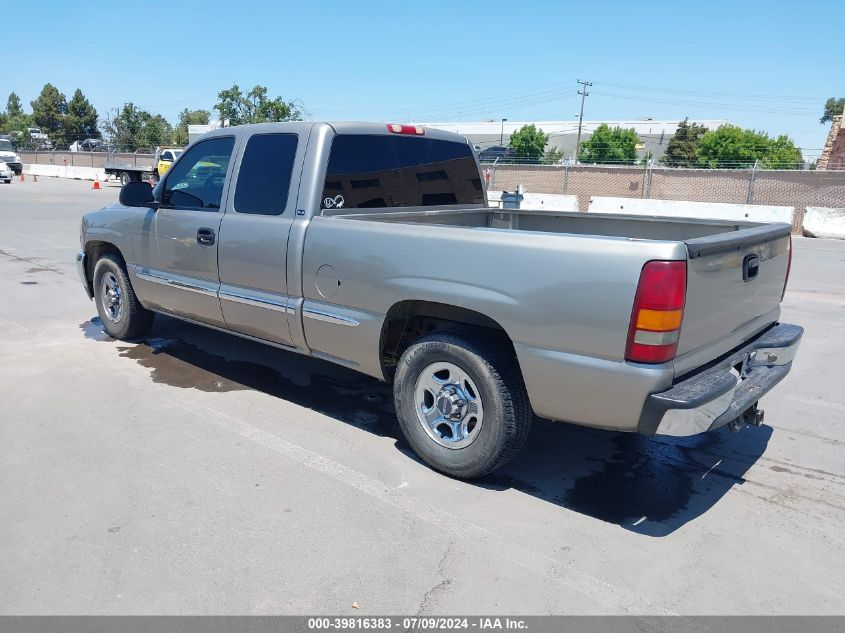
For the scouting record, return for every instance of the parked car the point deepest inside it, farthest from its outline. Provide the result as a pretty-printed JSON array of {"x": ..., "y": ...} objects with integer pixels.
[
  {"x": 5, "y": 173},
  {"x": 373, "y": 247},
  {"x": 92, "y": 145},
  {"x": 38, "y": 139},
  {"x": 10, "y": 157},
  {"x": 490, "y": 154}
]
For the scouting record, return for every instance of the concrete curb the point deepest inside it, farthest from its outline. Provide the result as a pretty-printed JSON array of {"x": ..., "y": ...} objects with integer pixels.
[
  {"x": 825, "y": 222},
  {"x": 690, "y": 209},
  {"x": 65, "y": 171}
]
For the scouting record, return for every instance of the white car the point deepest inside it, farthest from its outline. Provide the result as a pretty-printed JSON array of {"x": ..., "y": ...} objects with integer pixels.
[{"x": 5, "y": 173}]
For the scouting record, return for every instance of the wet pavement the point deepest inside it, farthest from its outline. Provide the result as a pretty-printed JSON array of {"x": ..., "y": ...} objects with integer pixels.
[{"x": 194, "y": 472}]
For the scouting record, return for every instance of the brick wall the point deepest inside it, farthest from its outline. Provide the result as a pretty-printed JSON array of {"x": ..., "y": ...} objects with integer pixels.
[{"x": 788, "y": 188}]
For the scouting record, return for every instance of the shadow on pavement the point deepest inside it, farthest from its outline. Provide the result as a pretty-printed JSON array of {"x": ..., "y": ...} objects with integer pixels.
[{"x": 650, "y": 486}]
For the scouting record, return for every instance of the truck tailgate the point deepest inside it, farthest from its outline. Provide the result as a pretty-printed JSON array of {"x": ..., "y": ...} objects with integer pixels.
[{"x": 735, "y": 282}]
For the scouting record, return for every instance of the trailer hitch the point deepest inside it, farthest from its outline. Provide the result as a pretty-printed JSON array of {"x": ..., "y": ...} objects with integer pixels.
[{"x": 751, "y": 416}]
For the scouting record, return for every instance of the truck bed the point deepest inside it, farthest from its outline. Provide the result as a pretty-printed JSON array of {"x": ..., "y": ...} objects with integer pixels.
[
  {"x": 722, "y": 309},
  {"x": 573, "y": 223}
]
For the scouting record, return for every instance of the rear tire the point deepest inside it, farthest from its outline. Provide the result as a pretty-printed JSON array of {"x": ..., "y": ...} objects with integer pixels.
[
  {"x": 122, "y": 314},
  {"x": 478, "y": 385},
  {"x": 125, "y": 178}
]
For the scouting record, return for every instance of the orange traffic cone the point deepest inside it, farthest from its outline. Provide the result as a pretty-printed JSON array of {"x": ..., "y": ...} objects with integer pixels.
[
  {"x": 22, "y": 178},
  {"x": 96, "y": 184}
]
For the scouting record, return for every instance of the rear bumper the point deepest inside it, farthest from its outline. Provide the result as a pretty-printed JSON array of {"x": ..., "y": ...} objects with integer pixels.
[{"x": 722, "y": 391}]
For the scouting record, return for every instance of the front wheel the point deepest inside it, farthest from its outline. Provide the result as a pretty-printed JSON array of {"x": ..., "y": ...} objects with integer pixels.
[
  {"x": 122, "y": 314},
  {"x": 461, "y": 403}
]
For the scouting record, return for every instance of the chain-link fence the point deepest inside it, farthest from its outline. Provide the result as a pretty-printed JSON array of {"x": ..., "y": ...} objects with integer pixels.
[
  {"x": 799, "y": 189},
  {"x": 85, "y": 159}
]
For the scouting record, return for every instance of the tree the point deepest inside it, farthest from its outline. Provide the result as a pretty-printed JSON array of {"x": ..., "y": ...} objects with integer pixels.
[
  {"x": 832, "y": 107},
  {"x": 553, "y": 156},
  {"x": 731, "y": 147},
  {"x": 81, "y": 119},
  {"x": 49, "y": 110},
  {"x": 610, "y": 146},
  {"x": 529, "y": 142},
  {"x": 131, "y": 128},
  {"x": 254, "y": 107},
  {"x": 682, "y": 149},
  {"x": 13, "y": 106},
  {"x": 186, "y": 118}
]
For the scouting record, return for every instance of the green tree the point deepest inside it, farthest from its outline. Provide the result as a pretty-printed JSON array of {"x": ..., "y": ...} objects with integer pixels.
[
  {"x": 48, "y": 112},
  {"x": 682, "y": 149},
  {"x": 13, "y": 106},
  {"x": 81, "y": 119},
  {"x": 254, "y": 107},
  {"x": 15, "y": 120},
  {"x": 832, "y": 107},
  {"x": 614, "y": 146},
  {"x": 156, "y": 131},
  {"x": 731, "y": 147},
  {"x": 553, "y": 156},
  {"x": 186, "y": 118},
  {"x": 529, "y": 142},
  {"x": 131, "y": 128}
]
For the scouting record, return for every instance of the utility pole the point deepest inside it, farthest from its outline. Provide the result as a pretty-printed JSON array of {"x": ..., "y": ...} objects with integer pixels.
[
  {"x": 502, "y": 135},
  {"x": 583, "y": 92}
]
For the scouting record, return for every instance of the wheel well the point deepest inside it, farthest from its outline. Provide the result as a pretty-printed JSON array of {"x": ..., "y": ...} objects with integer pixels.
[
  {"x": 408, "y": 321},
  {"x": 93, "y": 252}
]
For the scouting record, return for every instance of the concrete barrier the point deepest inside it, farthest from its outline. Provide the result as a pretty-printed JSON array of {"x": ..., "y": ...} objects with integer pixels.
[
  {"x": 65, "y": 171},
  {"x": 825, "y": 222},
  {"x": 539, "y": 201},
  {"x": 687, "y": 209}
]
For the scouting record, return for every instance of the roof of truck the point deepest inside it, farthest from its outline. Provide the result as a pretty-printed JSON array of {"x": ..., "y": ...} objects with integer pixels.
[{"x": 340, "y": 127}]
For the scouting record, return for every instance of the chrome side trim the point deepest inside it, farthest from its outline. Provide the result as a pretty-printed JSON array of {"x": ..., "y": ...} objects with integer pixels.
[
  {"x": 329, "y": 317},
  {"x": 282, "y": 346},
  {"x": 160, "y": 279},
  {"x": 253, "y": 301}
]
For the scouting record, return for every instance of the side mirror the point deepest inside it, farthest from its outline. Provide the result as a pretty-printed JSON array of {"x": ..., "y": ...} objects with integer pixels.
[{"x": 137, "y": 194}]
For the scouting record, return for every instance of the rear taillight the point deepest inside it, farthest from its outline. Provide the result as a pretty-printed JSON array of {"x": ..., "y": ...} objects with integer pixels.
[
  {"x": 788, "y": 267},
  {"x": 658, "y": 312},
  {"x": 405, "y": 129}
]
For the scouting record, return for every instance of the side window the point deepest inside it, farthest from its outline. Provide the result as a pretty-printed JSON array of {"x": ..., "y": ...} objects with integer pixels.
[
  {"x": 367, "y": 171},
  {"x": 265, "y": 174},
  {"x": 196, "y": 182},
  {"x": 166, "y": 156}
]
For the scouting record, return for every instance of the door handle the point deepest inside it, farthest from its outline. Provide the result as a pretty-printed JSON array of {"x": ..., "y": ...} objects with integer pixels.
[{"x": 205, "y": 236}]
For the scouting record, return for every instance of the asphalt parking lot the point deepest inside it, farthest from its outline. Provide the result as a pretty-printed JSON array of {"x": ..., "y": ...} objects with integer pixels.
[{"x": 196, "y": 473}]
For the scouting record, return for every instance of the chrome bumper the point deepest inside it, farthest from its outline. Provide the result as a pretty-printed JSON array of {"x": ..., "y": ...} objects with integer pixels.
[
  {"x": 721, "y": 393},
  {"x": 80, "y": 269}
]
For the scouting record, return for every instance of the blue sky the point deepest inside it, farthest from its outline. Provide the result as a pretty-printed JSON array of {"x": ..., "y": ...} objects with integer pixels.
[{"x": 766, "y": 65}]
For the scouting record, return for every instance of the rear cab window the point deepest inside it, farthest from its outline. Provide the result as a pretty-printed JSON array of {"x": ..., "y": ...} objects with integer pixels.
[
  {"x": 371, "y": 170},
  {"x": 265, "y": 174}
]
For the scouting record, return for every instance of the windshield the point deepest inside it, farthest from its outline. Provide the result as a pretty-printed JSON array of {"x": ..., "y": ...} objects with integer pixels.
[{"x": 6, "y": 145}]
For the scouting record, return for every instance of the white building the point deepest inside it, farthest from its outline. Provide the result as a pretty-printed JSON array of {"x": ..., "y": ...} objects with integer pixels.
[{"x": 563, "y": 134}]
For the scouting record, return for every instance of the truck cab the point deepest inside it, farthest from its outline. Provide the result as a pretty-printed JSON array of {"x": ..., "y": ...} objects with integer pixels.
[{"x": 164, "y": 159}]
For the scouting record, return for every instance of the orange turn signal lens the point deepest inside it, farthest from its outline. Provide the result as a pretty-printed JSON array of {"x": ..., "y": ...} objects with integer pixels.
[{"x": 659, "y": 320}]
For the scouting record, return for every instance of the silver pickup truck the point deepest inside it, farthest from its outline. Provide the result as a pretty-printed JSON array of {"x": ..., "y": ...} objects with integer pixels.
[{"x": 372, "y": 246}]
